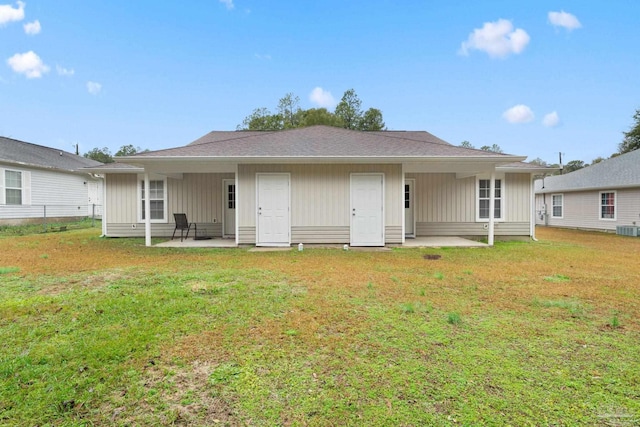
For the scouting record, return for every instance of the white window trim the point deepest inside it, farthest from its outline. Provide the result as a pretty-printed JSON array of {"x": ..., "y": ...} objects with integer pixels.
[
  {"x": 502, "y": 197},
  {"x": 615, "y": 205},
  {"x": 139, "y": 197},
  {"x": 561, "y": 206},
  {"x": 25, "y": 178}
]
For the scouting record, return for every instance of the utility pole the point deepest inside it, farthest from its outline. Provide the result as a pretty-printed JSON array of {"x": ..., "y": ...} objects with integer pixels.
[{"x": 561, "y": 167}]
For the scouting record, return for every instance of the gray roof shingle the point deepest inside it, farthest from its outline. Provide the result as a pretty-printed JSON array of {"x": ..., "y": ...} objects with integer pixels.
[
  {"x": 319, "y": 141},
  {"x": 618, "y": 172},
  {"x": 28, "y": 154}
]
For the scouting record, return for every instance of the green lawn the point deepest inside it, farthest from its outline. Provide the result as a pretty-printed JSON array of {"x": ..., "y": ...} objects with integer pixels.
[{"x": 543, "y": 334}]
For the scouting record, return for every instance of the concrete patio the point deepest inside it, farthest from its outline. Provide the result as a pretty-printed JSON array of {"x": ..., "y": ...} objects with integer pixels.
[{"x": 419, "y": 242}]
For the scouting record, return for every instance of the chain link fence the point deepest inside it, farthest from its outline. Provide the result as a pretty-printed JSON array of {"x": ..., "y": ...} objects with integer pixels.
[{"x": 47, "y": 216}]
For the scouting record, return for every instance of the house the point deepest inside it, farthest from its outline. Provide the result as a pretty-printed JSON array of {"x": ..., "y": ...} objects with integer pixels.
[
  {"x": 321, "y": 184},
  {"x": 598, "y": 197},
  {"x": 39, "y": 182}
]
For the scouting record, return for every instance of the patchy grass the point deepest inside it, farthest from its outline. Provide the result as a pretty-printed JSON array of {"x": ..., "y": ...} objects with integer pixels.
[{"x": 108, "y": 332}]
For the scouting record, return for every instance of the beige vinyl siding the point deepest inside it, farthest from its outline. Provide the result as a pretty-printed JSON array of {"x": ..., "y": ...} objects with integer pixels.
[
  {"x": 320, "y": 197},
  {"x": 581, "y": 209},
  {"x": 198, "y": 195},
  {"x": 446, "y": 205},
  {"x": 321, "y": 234}
]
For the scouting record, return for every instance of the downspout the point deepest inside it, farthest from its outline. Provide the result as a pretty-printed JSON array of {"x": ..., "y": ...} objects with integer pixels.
[
  {"x": 492, "y": 207},
  {"x": 532, "y": 219},
  {"x": 147, "y": 210}
]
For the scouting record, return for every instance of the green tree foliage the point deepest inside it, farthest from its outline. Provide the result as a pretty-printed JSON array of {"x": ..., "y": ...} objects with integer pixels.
[
  {"x": 573, "y": 165},
  {"x": 495, "y": 148},
  {"x": 128, "y": 150},
  {"x": 102, "y": 155},
  {"x": 372, "y": 120},
  {"x": 348, "y": 114},
  {"x": 466, "y": 144},
  {"x": 348, "y": 109},
  {"x": 631, "y": 139},
  {"x": 319, "y": 116}
]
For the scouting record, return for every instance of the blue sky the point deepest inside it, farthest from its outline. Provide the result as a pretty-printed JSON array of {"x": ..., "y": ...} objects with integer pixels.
[{"x": 534, "y": 77}]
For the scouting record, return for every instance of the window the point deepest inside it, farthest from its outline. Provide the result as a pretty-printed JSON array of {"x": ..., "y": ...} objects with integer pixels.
[
  {"x": 231, "y": 196},
  {"x": 157, "y": 196},
  {"x": 556, "y": 205},
  {"x": 484, "y": 193},
  {"x": 407, "y": 196},
  {"x": 13, "y": 187},
  {"x": 608, "y": 205}
]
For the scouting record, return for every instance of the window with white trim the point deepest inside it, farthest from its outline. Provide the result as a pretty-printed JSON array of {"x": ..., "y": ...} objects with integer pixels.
[
  {"x": 608, "y": 205},
  {"x": 484, "y": 200},
  {"x": 13, "y": 187},
  {"x": 157, "y": 199},
  {"x": 556, "y": 205}
]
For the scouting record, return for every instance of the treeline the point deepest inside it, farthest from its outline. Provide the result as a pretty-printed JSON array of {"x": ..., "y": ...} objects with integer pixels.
[{"x": 348, "y": 114}]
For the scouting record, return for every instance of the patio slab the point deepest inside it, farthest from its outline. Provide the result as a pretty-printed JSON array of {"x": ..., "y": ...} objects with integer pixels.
[{"x": 442, "y": 242}]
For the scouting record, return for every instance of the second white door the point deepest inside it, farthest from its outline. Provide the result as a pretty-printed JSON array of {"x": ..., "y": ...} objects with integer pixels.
[
  {"x": 273, "y": 220},
  {"x": 367, "y": 202}
]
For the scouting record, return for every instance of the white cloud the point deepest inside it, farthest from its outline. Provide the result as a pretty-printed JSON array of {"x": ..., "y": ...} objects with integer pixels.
[
  {"x": 65, "y": 71},
  {"x": 8, "y": 13},
  {"x": 322, "y": 98},
  {"x": 518, "y": 114},
  {"x": 28, "y": 64},
  {"x": 498, "y": 39},
  {"x": 564, "y": 19},
  {"x": 260, "y": 56},
  {"x": 32, "y": 28},
  {"x": 94, "y": 88},
  {"x": 228, "y": 3},
  {"x": 551, "y": 120}
]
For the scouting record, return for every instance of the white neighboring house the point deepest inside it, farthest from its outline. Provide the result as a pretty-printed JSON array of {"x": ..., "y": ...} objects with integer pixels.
[
  {"x": 602, "y": 197},
  {"x": 39, "y": 182}
]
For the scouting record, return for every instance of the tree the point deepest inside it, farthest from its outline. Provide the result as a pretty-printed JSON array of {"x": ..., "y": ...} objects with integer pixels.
[
  {"x": 631, "y": 139},
  {"x": 261, "y": 119},
  {"x": 495, "y": 148},
  {"x": 348, "y": 110},
  {"x": 597, "y": 160},
  {"x": 127, "y": 150},
  {"x": 538, "y": 161},
  {"x": 319, "y": 116},
  {"x": 573, "y": 165},
  {"x": 289, "y": 111},
  {"x": 466, "y": 144},
  {"x": 102, "y": 155},
  {"x": 372, "y": 120}
]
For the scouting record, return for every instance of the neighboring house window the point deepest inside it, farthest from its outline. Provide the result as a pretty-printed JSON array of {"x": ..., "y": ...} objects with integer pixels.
[
  {"x": 556, "y": 205},
  {"x": 157, "y": 198},
  {"x": 13, "y": 187},
  {"x": 608, "y": 205},
  {"x": 484, "y": 200}
]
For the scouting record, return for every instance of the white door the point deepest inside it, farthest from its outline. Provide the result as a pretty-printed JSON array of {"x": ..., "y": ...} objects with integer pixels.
[
  {"x": 229, "y": 220},
  {"x": 367, "y": 201},
  {"x": 95, "y": 199},
  {"x": 409, "y": 224},
  {"x": 273, "y": 210}
]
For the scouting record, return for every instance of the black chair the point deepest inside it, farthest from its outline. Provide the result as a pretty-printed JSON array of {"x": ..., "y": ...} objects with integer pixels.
[{"x": 183, "y": 224}]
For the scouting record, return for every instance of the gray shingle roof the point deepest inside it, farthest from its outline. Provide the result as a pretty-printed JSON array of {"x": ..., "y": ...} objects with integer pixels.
[
  {"x": 319, "y": 141},
  {"x": 28, "y": 154},
  {"x": 618, "y": 172}
]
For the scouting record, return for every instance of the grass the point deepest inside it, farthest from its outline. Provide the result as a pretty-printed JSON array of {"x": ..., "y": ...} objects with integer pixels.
[{"x": 108, "y": 332}]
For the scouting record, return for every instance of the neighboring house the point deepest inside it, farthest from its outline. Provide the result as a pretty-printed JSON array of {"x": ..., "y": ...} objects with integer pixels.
[
  {"x": 321, "y": 184},
  {"x": 598, "y": 197},
  {"x": 38, "y": 182}
]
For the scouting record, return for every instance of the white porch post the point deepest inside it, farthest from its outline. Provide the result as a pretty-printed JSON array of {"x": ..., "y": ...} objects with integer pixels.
[
  {"x": 492, "y": 206},
  {"x": 104, "y": 205},
  {"x": 532, "y": 209},
  {"x": 402, "y": 196},
  {"x": 147, "y": 210},
  {"x": 236, "y": 181}
]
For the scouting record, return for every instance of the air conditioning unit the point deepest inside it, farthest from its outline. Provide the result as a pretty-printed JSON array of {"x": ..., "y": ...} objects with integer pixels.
[{"x": 628, "y": 230}]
